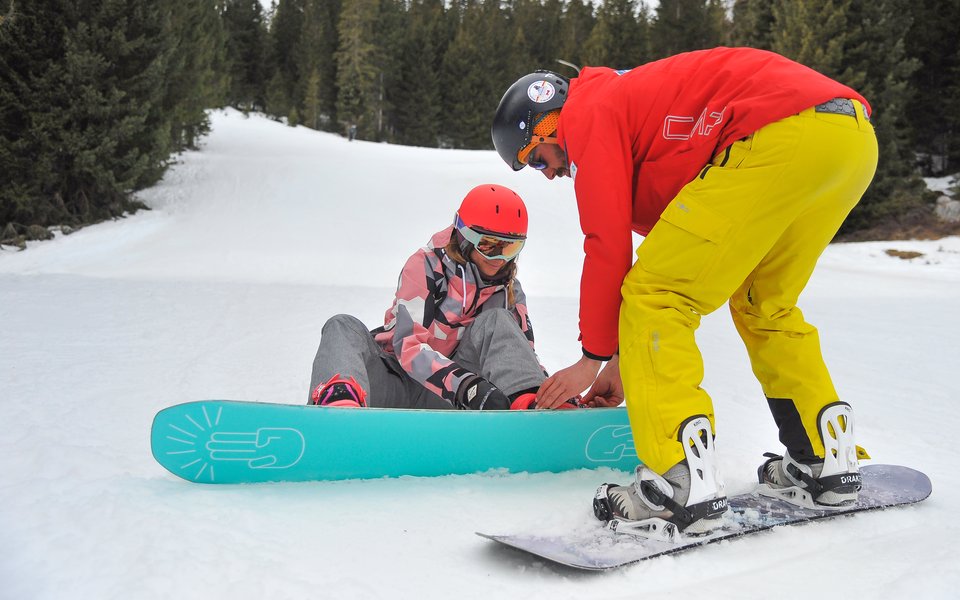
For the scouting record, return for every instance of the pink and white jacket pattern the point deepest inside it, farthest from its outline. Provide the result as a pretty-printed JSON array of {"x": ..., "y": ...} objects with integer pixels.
[{"x": 436, "y": 300}]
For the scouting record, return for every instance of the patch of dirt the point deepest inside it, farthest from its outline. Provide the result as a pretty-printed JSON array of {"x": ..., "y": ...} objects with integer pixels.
[{"x": 904, "y": 254}]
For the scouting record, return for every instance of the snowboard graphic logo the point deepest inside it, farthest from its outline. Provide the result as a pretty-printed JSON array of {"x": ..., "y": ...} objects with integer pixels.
[
  {"x": 610, "y": 443},
  {"x": 265, "y": 448},
  {"x": 200, "y": 446}
]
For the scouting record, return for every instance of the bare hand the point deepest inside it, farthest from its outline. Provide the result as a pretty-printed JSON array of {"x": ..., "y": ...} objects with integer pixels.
[
  {"x": 567, "y": 383},
  {"x": 607, "y": 390}
]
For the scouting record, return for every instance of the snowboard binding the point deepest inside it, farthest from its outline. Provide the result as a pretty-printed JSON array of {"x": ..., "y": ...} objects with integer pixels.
[
  {"x": 687, "y": 500},
  {"x": 340, "y": 392},
  {"x": 829, "y": 484}
]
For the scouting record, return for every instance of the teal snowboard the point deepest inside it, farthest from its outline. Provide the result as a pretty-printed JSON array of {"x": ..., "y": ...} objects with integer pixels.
[{"x": 224, "y": 441}]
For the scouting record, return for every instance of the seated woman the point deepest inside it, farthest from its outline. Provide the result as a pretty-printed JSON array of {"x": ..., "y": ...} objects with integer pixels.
[{"x": 457, "y": 335}]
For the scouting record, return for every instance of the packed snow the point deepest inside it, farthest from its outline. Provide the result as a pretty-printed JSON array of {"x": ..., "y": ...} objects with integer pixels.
[{"x": 221, "y": 290}]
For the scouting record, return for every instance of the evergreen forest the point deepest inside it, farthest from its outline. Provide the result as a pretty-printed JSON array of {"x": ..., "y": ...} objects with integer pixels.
[{"x": 97, "y": 97}]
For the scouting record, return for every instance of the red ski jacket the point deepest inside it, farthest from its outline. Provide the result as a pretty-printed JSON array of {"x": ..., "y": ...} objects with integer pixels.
[{"x": 634, "y": 138}]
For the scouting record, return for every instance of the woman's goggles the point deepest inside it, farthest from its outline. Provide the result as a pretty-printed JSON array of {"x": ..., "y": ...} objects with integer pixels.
[{"x": 491, "y": 245}]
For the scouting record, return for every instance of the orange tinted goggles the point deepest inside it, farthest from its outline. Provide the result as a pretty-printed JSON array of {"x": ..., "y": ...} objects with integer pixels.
[{"x": 490, "y": 245}]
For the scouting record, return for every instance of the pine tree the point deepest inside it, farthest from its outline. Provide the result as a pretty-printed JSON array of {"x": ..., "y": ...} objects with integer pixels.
[
  {"x": 278, "y": 104},
  {"x": 535, "y": 30},
  {"x": 391, "y": 31},
  {"x": 32, "y": 45},
  {"x": 934, "y": 105},
  {"x": 816, "y": 33},
  {"x": 416, "y": 93},
  {"x": 315, "y": 55},
  {"x": 474, "y": 74},
  {"x": 877, "y": 49},
  {"x": 311, "y": 116},
  {"x": 951, "y": 117},
  {"x": 684, "y": 25},
  {"x": 752, "y": 24},
  {"x": 620, "y": 38},
  {"x": 861, "y": 43},
  {"x": 122, "y": 55},
  {"x": 286, "y": 27},
  {"x": 246, "y": 40},
  {"x": 95, "y": 96},
  {"x": 94, "y": 110},
  {"x": 356, "y": 69},
  {"x": 195, "y": 74},
  {"x": 576, "y": 24},
  {"x": 10, "y": 12}
]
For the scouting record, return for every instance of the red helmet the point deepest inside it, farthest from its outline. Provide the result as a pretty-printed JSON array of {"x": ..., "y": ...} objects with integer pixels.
[{"x": 494, "y": 209}]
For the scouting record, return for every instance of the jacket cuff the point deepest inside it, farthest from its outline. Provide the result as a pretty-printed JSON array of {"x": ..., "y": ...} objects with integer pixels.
[{"x": 596, "y": 356}]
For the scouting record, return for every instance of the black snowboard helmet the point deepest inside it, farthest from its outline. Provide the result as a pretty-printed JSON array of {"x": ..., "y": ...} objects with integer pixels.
[{"x": 538, "y": 92}]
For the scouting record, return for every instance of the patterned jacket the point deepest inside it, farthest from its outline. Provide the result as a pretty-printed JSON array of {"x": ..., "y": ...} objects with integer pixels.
[{"x": 436, "y": 300}]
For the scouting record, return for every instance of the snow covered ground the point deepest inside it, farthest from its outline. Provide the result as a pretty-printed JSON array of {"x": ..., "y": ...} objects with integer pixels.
[
  {"x": 943, "y": 184},
  {"x": 221, "y": 291}
]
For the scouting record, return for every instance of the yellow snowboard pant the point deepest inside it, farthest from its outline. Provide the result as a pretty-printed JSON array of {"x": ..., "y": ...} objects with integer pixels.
[{"x": 748, "y": 230}]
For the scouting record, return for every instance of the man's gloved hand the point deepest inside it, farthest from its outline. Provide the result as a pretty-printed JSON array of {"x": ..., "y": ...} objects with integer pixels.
[{"x": 476, "y": 393}]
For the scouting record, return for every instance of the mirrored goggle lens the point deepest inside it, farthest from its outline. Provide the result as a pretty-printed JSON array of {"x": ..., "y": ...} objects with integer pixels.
[
  {"x": 491, "y": 246},
  {"x": 497, "y": 247},
  {"x": 535, "y": 164}
]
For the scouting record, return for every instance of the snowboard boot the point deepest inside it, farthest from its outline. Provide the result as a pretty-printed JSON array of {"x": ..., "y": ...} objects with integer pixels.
[
  {"x": 341, "y": 392},
  {"x": 688, "y": 499},
  {"x": 833, "y": 482}
]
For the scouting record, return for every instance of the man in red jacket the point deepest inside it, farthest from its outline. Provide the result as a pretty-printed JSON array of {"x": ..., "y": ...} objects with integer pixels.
[{"x": 738, "y": 166}]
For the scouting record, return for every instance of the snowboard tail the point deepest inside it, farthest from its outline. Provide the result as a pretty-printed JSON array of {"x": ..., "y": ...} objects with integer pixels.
[
  {"x": 223, "y": 441},
  {"x": 596, "y": 548}
]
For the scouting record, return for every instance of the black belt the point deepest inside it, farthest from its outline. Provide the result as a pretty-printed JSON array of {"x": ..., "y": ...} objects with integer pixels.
[{"x": 838, "y": 106}]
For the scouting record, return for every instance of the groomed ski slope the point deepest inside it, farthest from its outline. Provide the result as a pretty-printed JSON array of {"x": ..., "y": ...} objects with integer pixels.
[{"x": 221, "y": 291}]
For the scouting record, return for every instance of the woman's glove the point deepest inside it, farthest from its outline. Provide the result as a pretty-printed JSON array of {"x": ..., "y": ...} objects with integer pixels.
[{"x": 476, "y": 393}]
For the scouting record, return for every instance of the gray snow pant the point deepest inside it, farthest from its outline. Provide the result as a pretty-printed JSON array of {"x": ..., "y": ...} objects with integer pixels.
[{"x": 493, "y": 346}]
